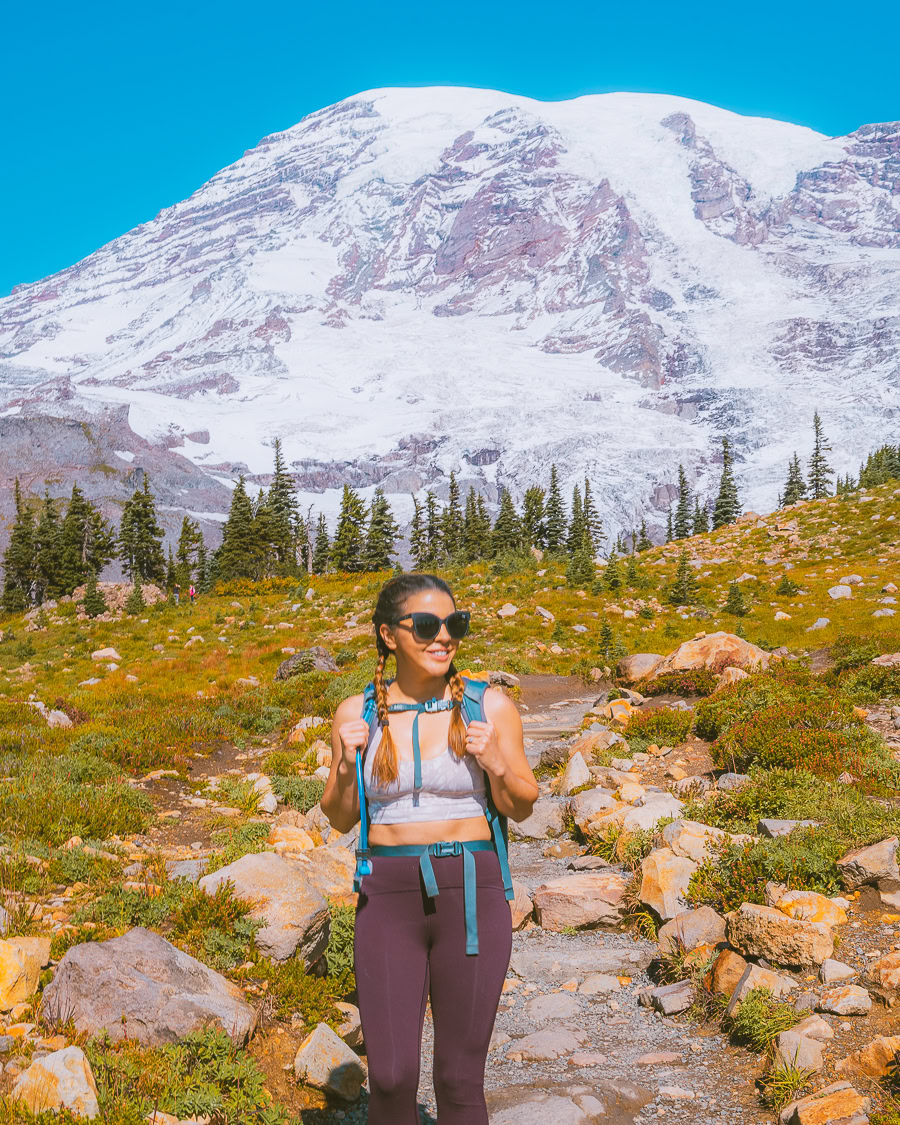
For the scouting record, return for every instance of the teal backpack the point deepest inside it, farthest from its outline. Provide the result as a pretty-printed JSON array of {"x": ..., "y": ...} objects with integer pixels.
[{"x": 473, "y": 710}]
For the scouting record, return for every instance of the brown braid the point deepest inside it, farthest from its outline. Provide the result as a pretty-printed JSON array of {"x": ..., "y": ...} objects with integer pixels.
[
  {"x": 384, "y": 765},
  {"x": 457, "y": 738}
]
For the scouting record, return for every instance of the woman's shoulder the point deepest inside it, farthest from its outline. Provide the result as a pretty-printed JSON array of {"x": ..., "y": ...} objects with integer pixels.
[
  {"x": 498, "y": 705},
  {"x": 350, "y": 708}
]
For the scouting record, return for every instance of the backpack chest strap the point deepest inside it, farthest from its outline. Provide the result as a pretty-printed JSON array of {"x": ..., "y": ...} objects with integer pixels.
[{"x": 428, "y": 708}]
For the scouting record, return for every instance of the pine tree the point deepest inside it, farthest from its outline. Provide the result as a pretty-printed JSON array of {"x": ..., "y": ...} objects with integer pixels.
[
  {"x": 507, "y": 533},
  {"x": 470, "y": 528},
  {"x": 533, "y": 518},
  {"x": 204, "y": 573},
  {"x": 265, "y": 547},
  {"x": 728, "y": 506},
  {"x": 644, "y": 542},
  {"x": 321, "y": 556},
  {"x": 485, "y": 531},
  {"x": 189, "y": 542},
  {"x": 607, "y": 644},
  {"x": 47, "y": 553},
  {"x": 87, "y": 542},
  {"x": 94, "y": 602},
  {"x": 681, "y": 524},
  {"x": 592, "y": 522},
  {"x": 670, "y": 534},
  {"x": 19, "y": 559},
  {"x": 685, "y": 589},
  {"x": 820, "y": 471},
  {"x": 140, "y": 537},
  {"x": 134, "y": 603},
  {"x": 580, "y": 569},
  {"x": 735, "y": 601},
  {"x": 633, "y": 576},
  {"x": 237, "y": 553},
  {"x": 283, "y": 514},
  {"x": 612, "y": 573},
  {"x": 418, "y": 539},
  {"x": 382, "y": 533},
  {"x": 348, "y": 547},
  {"x": 452, "y": 527},
  {"x": 577, "y": 526},
  {"x": 700, "y": 518},
  {"x": 795, "y": 486},
  {"x": 555, "y": 515},
  {"x": 433, "y": 537},
  {"x": 171, "y": 577}
]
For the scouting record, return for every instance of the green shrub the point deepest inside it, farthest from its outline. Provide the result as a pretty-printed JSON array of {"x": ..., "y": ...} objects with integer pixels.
[
  {"x": 698, "y": 681},
  {"x": 247, "y": 839},
  {"x": 870, "y": 684},
  {"x": 759, "y": 1019},
  {"x": 216, "y": 928},
  {"x": 786, "y": 588},
  {"x": 298, "y": 792},
  {"x": 739, "y": 702},
  {"x": 665, "y": 726},
  {"x": 293, "y": 990},
  {"x": 339, "y": 951}
]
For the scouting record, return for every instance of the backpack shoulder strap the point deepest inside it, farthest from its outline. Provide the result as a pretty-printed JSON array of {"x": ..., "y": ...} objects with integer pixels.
[
  {"x": 363, "y": 863},
  {"x": 473, "y": 709}
]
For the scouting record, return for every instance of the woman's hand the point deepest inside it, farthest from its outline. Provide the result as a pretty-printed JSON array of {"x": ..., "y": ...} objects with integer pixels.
[
  {"x": 483, "y": 745},
  {"x": 354, "y": 735}
]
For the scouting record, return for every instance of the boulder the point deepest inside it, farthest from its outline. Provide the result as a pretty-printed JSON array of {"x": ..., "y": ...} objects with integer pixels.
[
  {"x": 715, "y": 651},
  {"x": 814, "y": 1027},
  {"x": 654, "y": 810},
  {"x": 324, "y": 1061},
  {"x": 61, "y": 1080},
  {"x": 585, "y": 806},
  {"x": 21, "y": 961},
  {"x": 588, "y": 898},
  {"x": 328, "y": 870},
  {"x": 883, "y": 977},
  {"x": 819, "y": 623},
  {"x": 732, "y": 675},
  {"x": 575, "y": 775},
  {"x": 350, "y": 1028},
  {"x": 875, "y": 1060},
  {"x": 831, "y": 971},
  {"x": 692, "y": 840},
  {"x": 546, "y": 820},
  {"x": 140, "y": 987},
  {"x": 105, "y": 654},
  {"x": 294, "y": 913},
  {"x": 638, "y": 667},
  {"x": 845, "y": 1000},
  {"x": 729, "y": 781},
  {"x": 872, "y": 864},
  {"x": 794, "y": 1049},
  {"x": 507, "y": 610},
  {"x": 592, "y": 741},
  {"x": 312, "y": 659},
  {"x": 838, "y": 1103},
  {"x": 726, "y": 972},
  {"x": 691, "y": 929},
  {"x": 772, "y": 828},
  {"x": 763, "y": 931},
  {"x": 547, "y": 1044},
  {"x": 521, "y": 907},
  {"x": 669, "y": 999},
  {"x": 809, "y": 906},
  {"x": 664, "y": 882},
  {"x": 287, "y": 839},
  {"x": 755, "y": 976}
]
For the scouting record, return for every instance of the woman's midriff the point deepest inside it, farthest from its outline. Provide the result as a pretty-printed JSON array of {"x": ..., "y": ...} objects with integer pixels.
[{"x": 430, "y": 831}]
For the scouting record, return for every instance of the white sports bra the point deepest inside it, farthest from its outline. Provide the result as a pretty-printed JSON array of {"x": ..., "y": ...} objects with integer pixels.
[{"x": 452, "y": 788}]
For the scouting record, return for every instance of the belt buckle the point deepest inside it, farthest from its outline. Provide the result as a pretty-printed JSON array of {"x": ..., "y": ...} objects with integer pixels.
[{"x": 448, "y": 848}]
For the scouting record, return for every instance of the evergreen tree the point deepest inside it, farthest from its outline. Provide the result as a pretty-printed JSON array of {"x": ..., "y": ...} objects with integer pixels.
[
  {"x": 204, "y": 574},
  {"x": 795, "y": 486},
  {"x": 681, "y": 524},
  {"x": 577, "y": 527},
  {"x": 433, "y": 537},
  {"x": 633, "y": 576},
  {"x": 134, "y": 603},
  {"x": 87, "y": 542},
  {"x": 418, "y": 538},
  {"x": 170, "y": 572},
  {"x": 612, "y": 574},
  {"x": 189, "y": 543},
  {"x": 580, "y": 569},
  {"x": 555, "y": 515},
  {"x": 592, "y": 523},
  {"x": 533, "y": 518},
  {"x": 47, "y": 553},
  {"x": 283, "y": 514},
  {"x": 382, "y": 533},
  {"x": 237, "y": 553},
  {"x": 94, "y": 602},
  {"x": 476, "y": 528},
  {"x": 140, "y": 537},
  {"x": 484, "y": 523},
  {"x": 608, "y": 644},
  {"x": 19, "y": 575},
  {"x": 348, "y": 547},
  {"x": 507, "y": 533},
  {"x": 452, "y": 524},
  {"x": 644, "y": 542},
  {"x": 820, "y": 471},
  {"x": 265, "y": 547},
  {"x": 728, "y": 506},
  {"x": 670, "y": 534},
  {"x": 700, "y": 519},
  {"x": 735, "y": 601},
  {"x": 685, "y": 589},
  {"x": 321, "y": 555}
]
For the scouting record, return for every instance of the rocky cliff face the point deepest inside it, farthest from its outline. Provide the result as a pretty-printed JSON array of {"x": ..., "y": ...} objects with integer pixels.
[{"x": 417, "y": 280}]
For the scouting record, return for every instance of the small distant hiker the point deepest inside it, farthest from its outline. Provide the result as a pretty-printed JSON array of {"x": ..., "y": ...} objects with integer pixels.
[
  {"x": 192, "y": 593},
  {"x": 176, "y": 590}
]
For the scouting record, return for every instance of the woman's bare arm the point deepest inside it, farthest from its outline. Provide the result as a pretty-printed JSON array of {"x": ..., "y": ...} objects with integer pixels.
[
  {"x": 340, "y": 801},
  {"x": 498, "y": 745}
]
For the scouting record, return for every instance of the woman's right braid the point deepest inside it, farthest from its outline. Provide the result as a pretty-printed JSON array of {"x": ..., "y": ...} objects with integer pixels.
[{"x": 384, "y": 765}]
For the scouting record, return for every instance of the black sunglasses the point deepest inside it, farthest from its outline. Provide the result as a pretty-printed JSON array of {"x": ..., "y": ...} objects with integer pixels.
[{"x": 426, "y": 626}]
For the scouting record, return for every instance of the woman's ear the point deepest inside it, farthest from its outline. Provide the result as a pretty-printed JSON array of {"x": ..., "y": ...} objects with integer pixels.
[{"x": 384, "y": 631}]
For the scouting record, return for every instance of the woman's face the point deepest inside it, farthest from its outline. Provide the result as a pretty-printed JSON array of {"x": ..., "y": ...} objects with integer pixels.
[{"x": 433, "y": 657}]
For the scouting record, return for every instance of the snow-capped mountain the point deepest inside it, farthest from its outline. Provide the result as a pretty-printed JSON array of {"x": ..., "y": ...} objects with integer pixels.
[{"x": 418, "y": 280}]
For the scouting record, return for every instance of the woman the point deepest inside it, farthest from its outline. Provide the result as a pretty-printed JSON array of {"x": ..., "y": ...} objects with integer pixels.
[{"x": 431, "y": 883}]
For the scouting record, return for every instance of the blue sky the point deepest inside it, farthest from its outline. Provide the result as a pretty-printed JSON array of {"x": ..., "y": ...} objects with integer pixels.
[{"x": 112, "y": 111}]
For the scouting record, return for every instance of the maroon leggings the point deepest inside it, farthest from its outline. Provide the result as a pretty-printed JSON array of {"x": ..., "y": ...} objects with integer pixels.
[{"x": 408, "y": 946}]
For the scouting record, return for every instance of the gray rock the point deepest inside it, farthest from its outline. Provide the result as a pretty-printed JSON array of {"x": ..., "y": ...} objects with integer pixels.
[
  {"x": 553, "y": 1006},
  {"x": 832, "y": 971},
  {"x": 295, "y": 913},
  {"x": 141, "y": 987},
  {"x": 875, "y": 863},
  {"x": 773, "y": 828},
  {"x": 190, "y": 869},
  {"x": 313, "y": 659},
  {"x": 546, "y": 820},
  {"x": 553, "y": 966},
  {"x": 550, "y": 1043},
  {"x": 793, "y": 1049},
  {"x": 819, "y": 623},
  {"x": 669, "y": 999},
  {"x": 324, "y": 1060},
  {"x": 732, "y": 780},
  {"x": 538, "y": 1107},
  {"x": 845, "y": 1000},
  {"x": 691, "y": 928},
  {"x": 59, "y": 1080}
]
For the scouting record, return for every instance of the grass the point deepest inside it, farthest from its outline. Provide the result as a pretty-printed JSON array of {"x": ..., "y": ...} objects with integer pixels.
[
  {"x": 783, "y": 1083},
  {"x": 759, "y": 1019}
]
